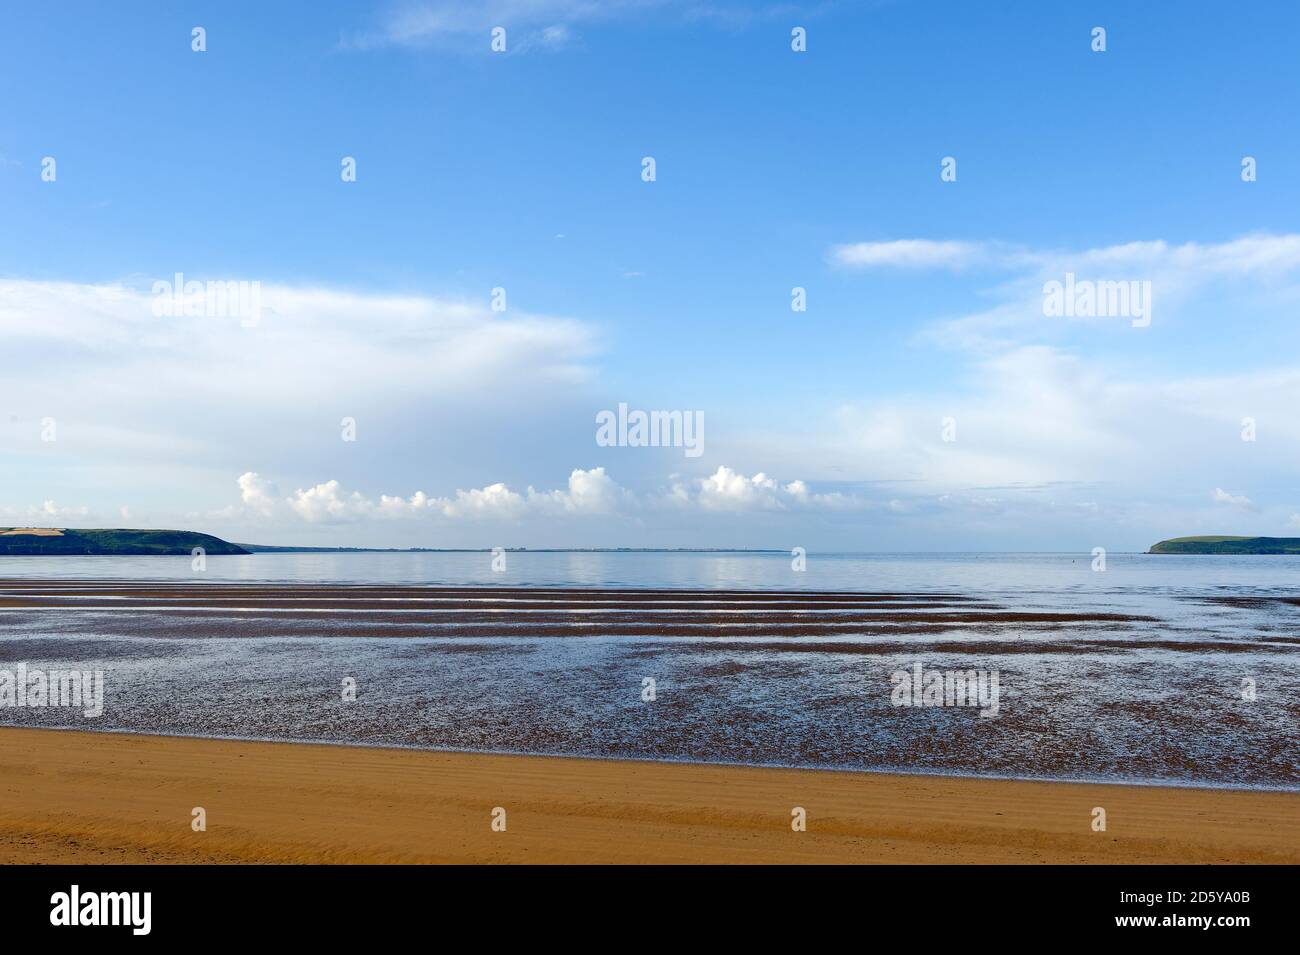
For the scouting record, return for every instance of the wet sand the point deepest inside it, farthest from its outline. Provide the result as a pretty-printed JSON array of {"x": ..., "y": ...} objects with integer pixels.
[
  {"x": 1117, "y": 687},
  {"x": 75, "y": 797},
  {"x": 224, "y": 609}
]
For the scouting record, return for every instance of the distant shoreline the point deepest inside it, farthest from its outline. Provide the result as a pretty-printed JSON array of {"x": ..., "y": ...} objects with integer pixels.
[
  {"x": 137, "y": 542},
  {"x": 276, "y": 549}
]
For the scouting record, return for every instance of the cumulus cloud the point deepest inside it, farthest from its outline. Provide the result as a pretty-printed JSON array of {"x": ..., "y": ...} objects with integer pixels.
[
  {"x": 589, "y": 492},
  {"x": 729, "y": 490},
  {"x": 256, "y": 494},
  {"x": 325, "y": 502},
  {"x": 726, "y": 489},
  {"x": 493, "y": 502},
  {"x": 1063, "y": 427}
]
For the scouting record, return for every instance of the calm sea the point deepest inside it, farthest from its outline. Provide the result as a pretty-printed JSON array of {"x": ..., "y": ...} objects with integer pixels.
[
  {"x": 987, "y": 573},
  {"x": 1189, "y": 674}
]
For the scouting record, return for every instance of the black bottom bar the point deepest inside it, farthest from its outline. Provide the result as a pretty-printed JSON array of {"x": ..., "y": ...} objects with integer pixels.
[{"x": 939, "y": 904}]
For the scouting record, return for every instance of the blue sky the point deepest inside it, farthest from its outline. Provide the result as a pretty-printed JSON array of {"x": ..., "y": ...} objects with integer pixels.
[{"x": 522, "y": 170}]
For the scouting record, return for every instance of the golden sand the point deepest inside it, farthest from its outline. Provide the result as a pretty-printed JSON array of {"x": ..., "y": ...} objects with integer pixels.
[{"x": 75, "y": 797}]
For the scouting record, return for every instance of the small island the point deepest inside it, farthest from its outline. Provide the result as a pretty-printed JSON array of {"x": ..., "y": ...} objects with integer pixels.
[
  {"x": 54, "y": 541},
  {"x": 1227, "y": 545}
]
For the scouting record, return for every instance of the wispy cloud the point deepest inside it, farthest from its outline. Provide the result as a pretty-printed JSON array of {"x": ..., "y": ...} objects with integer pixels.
[
  {"x": 1247, "y": 255},
  {"x": 1177, "y": 273},
  {"x": 545, "y": 24},
  {"x": 1220, "y": 496},
  {"x": 47, "y": 514},
  {"x": 528, "y": 23},
  {"x": 922, "y": 254}
]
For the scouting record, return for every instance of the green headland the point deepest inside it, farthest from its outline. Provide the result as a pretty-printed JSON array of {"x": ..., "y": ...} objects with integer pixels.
[
  {"x": 1228, "y": 545},
  {"x": 48, "y": 541}
]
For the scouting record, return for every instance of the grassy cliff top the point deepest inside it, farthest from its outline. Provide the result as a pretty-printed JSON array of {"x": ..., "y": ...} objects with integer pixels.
[
  {"x": 1228, "y": 545},
  {"x": 51, "y": 541}
]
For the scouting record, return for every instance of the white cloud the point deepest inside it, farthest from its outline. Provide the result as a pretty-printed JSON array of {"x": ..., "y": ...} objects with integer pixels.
[
  {"x": 1246, "y": 255},
  {"x": 444, "y": 342},
  {"x": 187, "y": 395},
  {"x": 256, "y": 494},
  {"x": 1047, "y": 422},
  {"x": 727, "y": 489},
  {"x": 528, "y": 23},
  {"x": 46, "y": 514},
  {"x": 554, "y": 36},
  {"x": 918, "y": 254},
  {"x": 541, "y": 23},
  {"x": 588, "y": 493},
  {"x": 1039, "y": 426},
  {"x": 1220, "y": 496},
  {"x": 495, "y": 501},
  {"x": 1242, "y": 256},
  {"x": 325, "y": 503},
  {"x": 1179, "y": 276}
]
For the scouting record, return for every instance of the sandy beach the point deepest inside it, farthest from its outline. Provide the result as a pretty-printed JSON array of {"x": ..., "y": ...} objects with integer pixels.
[{"x": 76, "y": 797}]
